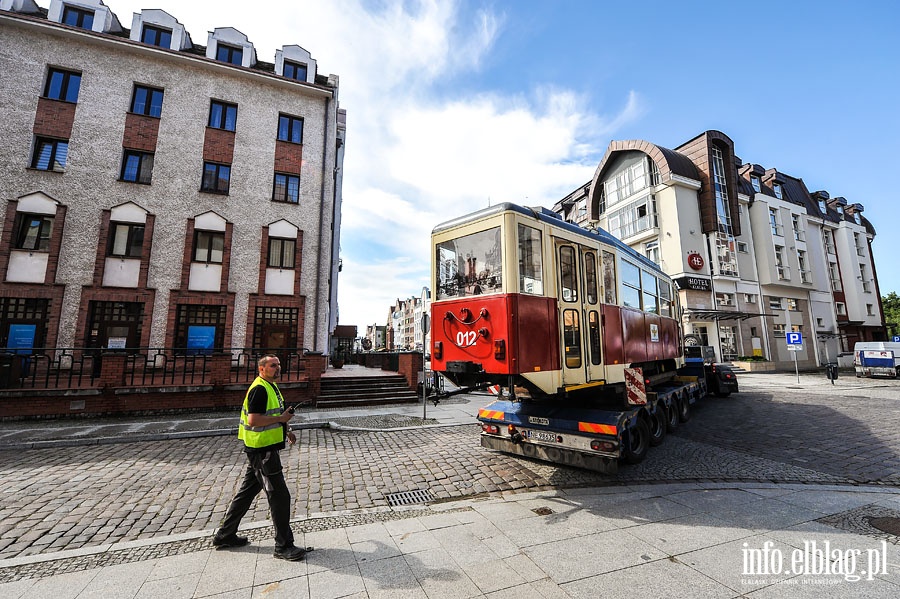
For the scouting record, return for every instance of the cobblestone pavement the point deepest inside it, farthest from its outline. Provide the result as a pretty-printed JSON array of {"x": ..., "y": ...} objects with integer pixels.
[{"x": 86, "y": 496}]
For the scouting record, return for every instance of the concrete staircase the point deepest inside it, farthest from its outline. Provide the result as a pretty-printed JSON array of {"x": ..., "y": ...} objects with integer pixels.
[{"x": 349, "y": 391}]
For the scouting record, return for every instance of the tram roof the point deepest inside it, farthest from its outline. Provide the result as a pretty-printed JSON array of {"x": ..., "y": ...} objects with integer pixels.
[{"x": 548, "y": 216}]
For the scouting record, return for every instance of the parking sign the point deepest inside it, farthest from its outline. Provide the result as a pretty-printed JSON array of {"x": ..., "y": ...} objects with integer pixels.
[
  {"x": 896, "y": 338},
  {"x": 794, "y": 340}
]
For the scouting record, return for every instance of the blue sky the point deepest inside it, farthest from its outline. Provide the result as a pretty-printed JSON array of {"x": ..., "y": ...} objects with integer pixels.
[{"x": 452, "y": 105}]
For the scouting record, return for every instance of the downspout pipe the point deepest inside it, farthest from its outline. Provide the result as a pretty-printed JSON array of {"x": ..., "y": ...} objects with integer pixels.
[{"x": 316, "y": 345}]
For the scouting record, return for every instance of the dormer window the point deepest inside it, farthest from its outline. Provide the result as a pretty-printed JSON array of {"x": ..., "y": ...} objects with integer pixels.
[
  {"x": 823, "y": 208},
  {"x": 230, "y": 54},
  {"x": 856, "y": 218},
  {"x": 78, "y": 17},
  {"x": 294, "y": 70},
  {"x": 754, "y": 181},
  {"x": 776, "y": 187},
  {"x": 156, "y": 36},
  {"x": 840, "y": 210}
]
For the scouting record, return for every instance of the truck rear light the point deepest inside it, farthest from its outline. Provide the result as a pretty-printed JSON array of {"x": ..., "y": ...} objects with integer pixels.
[
  {"x": 499, "y": 349},
  {"x": 491, "y": 429},
  {"x": 438, "y": 350},
  {"x": 602, "y": 445}
]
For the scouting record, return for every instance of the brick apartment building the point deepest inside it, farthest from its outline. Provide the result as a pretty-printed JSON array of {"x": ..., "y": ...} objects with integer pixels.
[{"x": 155, "y": 192}]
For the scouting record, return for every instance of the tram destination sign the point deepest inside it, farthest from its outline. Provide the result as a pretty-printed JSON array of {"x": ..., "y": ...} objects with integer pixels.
[{"x": 696, "y": 283}]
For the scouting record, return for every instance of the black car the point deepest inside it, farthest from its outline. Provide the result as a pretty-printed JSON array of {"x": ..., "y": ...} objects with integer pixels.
[{"x": 720, "y": 379}]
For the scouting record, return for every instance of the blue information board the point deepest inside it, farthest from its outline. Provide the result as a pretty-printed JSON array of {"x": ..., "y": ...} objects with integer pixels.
[
  {"x": 896, "y": 338},
  {"x": 201, "y": 339},
  {"x": 21, "y": 338}
]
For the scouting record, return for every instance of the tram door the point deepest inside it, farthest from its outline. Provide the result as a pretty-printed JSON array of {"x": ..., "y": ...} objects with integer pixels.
[{"x": 571, "y": 315}]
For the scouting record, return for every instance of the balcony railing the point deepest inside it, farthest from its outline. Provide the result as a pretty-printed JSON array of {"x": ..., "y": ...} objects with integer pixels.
[{"x": 82, "y": 368}]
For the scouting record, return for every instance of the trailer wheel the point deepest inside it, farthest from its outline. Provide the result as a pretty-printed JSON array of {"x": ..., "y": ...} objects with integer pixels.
[
  {"x": 684, "y": 408},
  {"x": 637, "y": 442},
  {"x": 657, "y": 423},
  {"x": 671, "y": 416}
]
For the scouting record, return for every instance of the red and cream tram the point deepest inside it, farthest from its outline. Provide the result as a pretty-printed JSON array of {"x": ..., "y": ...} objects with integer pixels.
[{"x": 545, "y": 308}]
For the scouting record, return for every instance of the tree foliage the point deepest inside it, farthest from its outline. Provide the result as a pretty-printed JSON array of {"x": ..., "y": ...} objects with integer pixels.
[{"x": 891, "y": 305}]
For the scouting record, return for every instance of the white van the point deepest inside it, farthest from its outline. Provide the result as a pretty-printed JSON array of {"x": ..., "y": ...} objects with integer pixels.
[{"x": 876, "y": 358}]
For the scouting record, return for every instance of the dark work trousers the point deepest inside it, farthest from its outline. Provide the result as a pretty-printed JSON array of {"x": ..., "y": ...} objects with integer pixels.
[{"x": 263, "y": 474}]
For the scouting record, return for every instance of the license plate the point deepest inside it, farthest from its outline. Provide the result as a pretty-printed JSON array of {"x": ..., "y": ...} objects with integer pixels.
[{"x": 542, "y": 436}]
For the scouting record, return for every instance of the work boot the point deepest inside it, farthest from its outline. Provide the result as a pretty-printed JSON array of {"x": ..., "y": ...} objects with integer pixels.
[
  {"x": 292, "y": 554},
  {"x": 232, "y": 541}
]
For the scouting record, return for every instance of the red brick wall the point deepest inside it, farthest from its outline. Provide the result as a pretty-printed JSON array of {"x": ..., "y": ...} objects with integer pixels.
[
  {"x": 411, "y": 367},
  {"x": 288, "y": 157},
  {"x": 141, "y": 132},
  {"x": 218, "y": 145},
  {"x": 54, "y": 118}
]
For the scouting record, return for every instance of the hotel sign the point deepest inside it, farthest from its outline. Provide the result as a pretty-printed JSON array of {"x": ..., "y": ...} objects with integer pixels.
[{"x": 696, "y": 283}]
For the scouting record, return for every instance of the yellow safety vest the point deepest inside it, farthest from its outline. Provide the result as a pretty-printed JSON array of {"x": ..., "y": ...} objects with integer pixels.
[{"x": 257, "y": 437}]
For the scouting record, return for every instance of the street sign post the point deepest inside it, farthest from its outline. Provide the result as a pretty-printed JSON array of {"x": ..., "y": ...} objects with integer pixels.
[{"x": 795, "y": 344}]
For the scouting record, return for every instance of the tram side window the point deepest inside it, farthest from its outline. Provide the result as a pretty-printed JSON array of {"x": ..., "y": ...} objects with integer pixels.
[
  {"x": 469, "y": 265},
  {"x": 572, "y": 338},
  {"x": 609, "y": 278},
  {"x": 530, "y": 267},
  {"x": 590, "y": 277},
  {"x": 648, "y": 283},
  {"x": 631, "y": 285},
  {"x": 567, "y": 274},
  {"x": 594, "y": 334},
  {"x": 665, "y": 299}
]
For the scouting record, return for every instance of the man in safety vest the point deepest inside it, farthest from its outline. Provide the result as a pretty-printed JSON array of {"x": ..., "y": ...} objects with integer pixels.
[{"x": 264, "y": 428}]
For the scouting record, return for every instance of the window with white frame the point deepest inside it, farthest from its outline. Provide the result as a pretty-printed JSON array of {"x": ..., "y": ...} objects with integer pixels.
[
  {"x": 636, "y": 217},
  {"x": 779, "y": 193},
  {"x": 784, "y": 273},
  {"x": 651, "y": 250},
  {"x": 856, "y": 218},
  {"x": 857, "y": 241},
  {"x": 823, "y": 207},
  {"x": 750, "y": 298},
  {"x": 792, "y": 305},
  {"x": 754, "y": 181},
  {"x": 835, "y": 276},
  {"x": 774, "y": 221},
  {"x": 840, "y": 308},
  {"x": 629, "y": 180},
  {"x": 864, "y": 278},
  {"x": 805, "y": 274},
  {"x": 778, "y": 330},
  {"x": 775, "y": 303},
  {"x": 724, "y": 299},
  {"x": 742, "y": 247},
  {"x": 796, "y": 225},
  {"x": 870, "y": 309},
  {"x": 828, "y": 237}
]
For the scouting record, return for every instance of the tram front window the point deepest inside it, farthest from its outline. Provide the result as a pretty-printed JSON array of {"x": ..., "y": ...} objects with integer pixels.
[{"x": 469, "y": 265}]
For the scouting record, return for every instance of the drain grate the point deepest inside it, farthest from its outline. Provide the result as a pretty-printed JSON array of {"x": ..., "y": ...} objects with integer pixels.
[
  {"x": 542, "y": 511},
  {"x": 886, "y": 524},
  {"x": 410, "y": 497},
  {"x": 871, "y": 520}
]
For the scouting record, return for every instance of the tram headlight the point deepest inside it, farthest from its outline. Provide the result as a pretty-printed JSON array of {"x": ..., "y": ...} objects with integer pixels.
[
  {"x": 438, "y": 350},
  {"x": 499, "y": 349}
]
